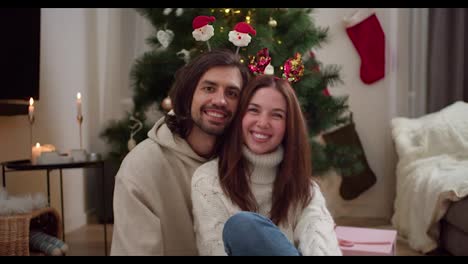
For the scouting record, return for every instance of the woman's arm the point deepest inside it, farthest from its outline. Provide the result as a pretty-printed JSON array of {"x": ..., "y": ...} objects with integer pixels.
[
  {"x": 315, "y": 229},
  {"x": 210, "y": 214}
]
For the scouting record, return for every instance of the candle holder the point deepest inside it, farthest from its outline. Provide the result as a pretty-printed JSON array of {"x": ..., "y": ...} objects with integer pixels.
[{"x": 79, "y": 118}]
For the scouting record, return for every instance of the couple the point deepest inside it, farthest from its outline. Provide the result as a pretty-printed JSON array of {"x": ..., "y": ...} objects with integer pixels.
[{"x": 253, "y": 195}]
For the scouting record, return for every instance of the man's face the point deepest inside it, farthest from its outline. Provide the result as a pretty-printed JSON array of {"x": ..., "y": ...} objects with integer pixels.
[{"x": 215, "y": 99}]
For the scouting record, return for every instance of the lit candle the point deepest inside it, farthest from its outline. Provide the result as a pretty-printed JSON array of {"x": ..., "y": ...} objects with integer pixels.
[
  {"x": 36, "y": 152},
  {"x": 78, "y": 104},
  {"x": 31, "y": 109}
]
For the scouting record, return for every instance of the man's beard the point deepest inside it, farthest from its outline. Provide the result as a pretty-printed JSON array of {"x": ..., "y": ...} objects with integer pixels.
[{"x": 210, "y": 130}]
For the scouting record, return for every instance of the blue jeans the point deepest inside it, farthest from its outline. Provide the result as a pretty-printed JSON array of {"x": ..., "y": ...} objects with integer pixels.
[{"x": 251, "y": 234}]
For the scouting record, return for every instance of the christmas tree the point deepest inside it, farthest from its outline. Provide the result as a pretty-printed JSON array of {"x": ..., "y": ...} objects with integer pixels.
[{"x": 283, "y": 31}]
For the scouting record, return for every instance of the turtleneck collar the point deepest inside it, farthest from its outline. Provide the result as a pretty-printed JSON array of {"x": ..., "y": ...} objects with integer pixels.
[{"x": 265, "y": 165}]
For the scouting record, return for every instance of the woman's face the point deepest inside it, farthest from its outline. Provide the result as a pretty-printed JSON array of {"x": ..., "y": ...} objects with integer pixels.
[{"x": 264, "y": 123}]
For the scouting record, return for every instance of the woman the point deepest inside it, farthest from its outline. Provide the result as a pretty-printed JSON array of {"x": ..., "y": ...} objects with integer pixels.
[{"x": 258, "y": 197}]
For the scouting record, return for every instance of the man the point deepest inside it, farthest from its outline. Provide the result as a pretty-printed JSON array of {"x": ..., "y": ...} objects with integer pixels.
[{"x": 152, "y": 199}]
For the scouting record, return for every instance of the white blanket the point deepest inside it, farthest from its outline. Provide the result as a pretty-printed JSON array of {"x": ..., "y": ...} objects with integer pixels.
[
  {"x": 432, "y": 171},
  {"x": 11, "y": 205}
]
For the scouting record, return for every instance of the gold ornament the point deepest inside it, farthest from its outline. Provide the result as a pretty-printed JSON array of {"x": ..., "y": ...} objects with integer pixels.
[
  {"x": 272, "y": 22},
  {"x": 166, "y": 104}
]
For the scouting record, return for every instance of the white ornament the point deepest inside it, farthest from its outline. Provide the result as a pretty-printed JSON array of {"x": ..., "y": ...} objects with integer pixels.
[
  {"x": 272, "y": 22},
  {"x": 165, "y": 37},
  {"x": 137, "y": 126},
  {"x": 184, "y": 54},
  {"x": 179, "y": 11},
  {"x": 167, "y": 11},
  {"x": 269, "y": 70},
  {"x": 131, "y": 144}
]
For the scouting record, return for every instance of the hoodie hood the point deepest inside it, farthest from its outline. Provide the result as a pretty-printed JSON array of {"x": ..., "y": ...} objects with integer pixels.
[{"x": 161, "y": 134}]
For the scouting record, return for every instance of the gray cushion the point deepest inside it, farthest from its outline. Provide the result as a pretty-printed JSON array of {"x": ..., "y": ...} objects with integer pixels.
[
  {"x": 453, "y": 239},
  {"x": 457, "y": 214}
]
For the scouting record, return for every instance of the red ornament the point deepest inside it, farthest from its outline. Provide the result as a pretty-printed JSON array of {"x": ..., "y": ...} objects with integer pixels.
[
  {"x": 293, "y": 68},
  {"x": 258, "y": 64}
]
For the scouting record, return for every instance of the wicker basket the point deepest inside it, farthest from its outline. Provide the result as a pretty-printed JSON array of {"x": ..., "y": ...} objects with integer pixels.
[{"x": 14, "y": 230}]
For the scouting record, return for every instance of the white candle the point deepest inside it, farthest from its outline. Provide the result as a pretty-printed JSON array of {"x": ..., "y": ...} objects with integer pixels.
[
  {"x": 36, "y": 152},
  {"x": 78, "y": 104},
  {"x": 31, "y": 109}
]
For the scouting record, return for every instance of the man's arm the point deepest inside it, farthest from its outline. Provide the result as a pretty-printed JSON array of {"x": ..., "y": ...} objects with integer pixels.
[{"x": 137, "y": 230}]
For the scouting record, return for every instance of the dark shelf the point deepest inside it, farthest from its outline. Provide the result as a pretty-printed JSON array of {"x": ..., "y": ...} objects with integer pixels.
[{"x": 9, "y": 109}]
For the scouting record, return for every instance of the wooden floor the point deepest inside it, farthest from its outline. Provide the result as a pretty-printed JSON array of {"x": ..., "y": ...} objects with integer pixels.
[{"x": 89, "y": 240}]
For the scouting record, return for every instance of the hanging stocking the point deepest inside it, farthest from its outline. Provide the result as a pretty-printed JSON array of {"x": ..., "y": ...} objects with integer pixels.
[
  {"x": 354, "y": 184},
  {"x": 369, "y": 40}
]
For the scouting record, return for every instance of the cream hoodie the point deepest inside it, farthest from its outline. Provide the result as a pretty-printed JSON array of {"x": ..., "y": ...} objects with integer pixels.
[{"x": 152, "y": 203}]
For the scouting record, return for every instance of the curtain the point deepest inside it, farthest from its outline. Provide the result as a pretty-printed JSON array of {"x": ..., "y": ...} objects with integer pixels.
[
  {"x": 116, "y": 38},
  {"x": 447, "y": 57},
  {"x": 418, "y": 36},
  {"x": 113, "y": 39}
]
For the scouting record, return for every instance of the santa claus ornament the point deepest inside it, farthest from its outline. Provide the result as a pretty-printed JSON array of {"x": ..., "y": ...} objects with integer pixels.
[
  {"x": 240, "y": 35},
  {"x": 202, "y": 31}
]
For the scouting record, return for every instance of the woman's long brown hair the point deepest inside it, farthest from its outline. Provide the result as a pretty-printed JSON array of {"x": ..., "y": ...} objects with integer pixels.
[{"x": 292, "y": 186}]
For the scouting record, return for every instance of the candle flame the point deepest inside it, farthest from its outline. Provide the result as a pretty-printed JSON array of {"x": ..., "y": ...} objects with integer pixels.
[
  {"x": 31, "y": 101},
  {"x": 38, "y": 145},
  {"x": 78, "y": 96}
]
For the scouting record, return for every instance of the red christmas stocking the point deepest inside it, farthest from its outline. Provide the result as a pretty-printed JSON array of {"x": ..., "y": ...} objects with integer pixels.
[{"x": 369, "y": 40}]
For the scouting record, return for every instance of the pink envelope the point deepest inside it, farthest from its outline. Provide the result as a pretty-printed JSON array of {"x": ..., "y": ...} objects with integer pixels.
[{"x": 358, "y": 241}]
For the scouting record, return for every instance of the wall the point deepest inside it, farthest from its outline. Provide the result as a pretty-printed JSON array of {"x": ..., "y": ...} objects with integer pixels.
[{"x": 373, "y": 105}]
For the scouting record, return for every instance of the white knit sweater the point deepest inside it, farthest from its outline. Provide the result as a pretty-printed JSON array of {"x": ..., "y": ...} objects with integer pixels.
[{"x": 311, "y": 230}]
